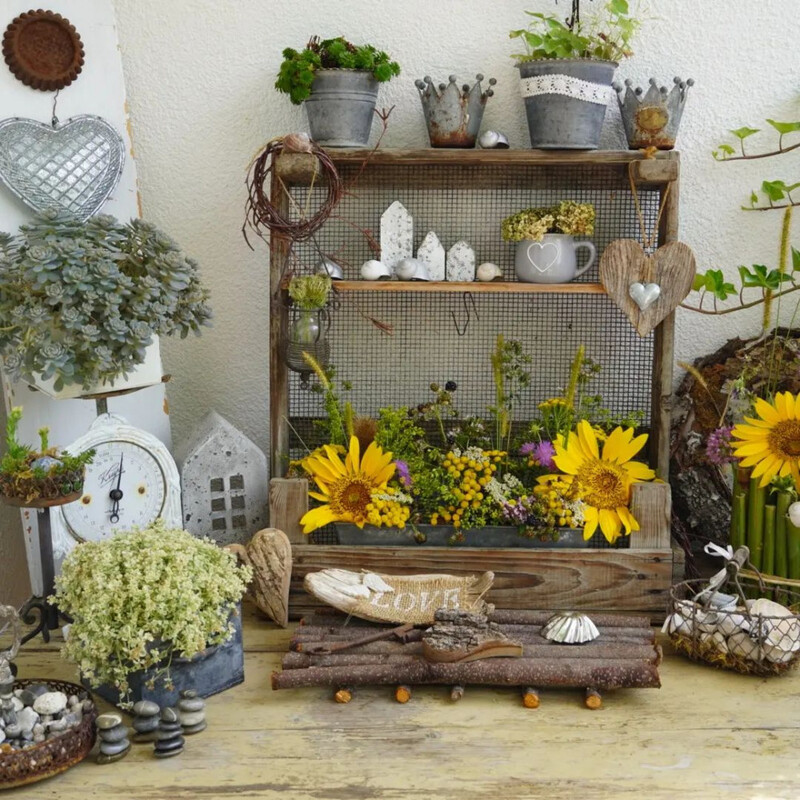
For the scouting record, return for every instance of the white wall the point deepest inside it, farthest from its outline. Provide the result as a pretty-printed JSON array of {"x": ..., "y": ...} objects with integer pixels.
[
  {"x": 199, "y": 75},
  {"x": 99, "y": 89}
]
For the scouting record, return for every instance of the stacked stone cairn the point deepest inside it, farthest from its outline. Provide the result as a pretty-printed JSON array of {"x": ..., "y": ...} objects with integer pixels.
[
  {"x": 169, "y": 741},
  {"x": 32, "y": 715},
  {"x": 114, "y": 742},
  {"x": 191, "y": 710},
  {"x": 145, "y": 721}
]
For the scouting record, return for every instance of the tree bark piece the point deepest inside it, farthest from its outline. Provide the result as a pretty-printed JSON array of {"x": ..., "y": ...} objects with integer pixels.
[
  {"x": 462, "y": 636},
  {"x": 269, "y": 554}
]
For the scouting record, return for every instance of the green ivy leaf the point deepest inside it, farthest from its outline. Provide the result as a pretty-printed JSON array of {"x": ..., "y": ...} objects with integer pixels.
[
  {"x": 618, "y": 6},
  {"x": 775, "y": 190},
  {"x": 716, "y": 284},
  {"x": 753, "y": 199},
  {"x": 723, "y": 151},
  {"x": 795, "y": 259},
  {"x": 784, "y": 127},
  {"x": 699, "y": 281},
  {"x": 743, "y": 133}
]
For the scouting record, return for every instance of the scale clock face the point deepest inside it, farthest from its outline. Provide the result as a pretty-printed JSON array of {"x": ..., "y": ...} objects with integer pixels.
[
  {"x": 131, "y": 482},
  {"x": 125, "y": 487}
]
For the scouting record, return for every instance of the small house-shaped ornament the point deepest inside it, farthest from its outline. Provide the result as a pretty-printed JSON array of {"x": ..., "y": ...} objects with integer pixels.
[{"x": 224, "y": 481}]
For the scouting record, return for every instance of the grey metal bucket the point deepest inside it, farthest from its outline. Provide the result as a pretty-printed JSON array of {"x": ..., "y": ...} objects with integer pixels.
[
  {"x": 209, "y": 672},
  {"x": 560, "y": 122},
  {"x": 341, "y": 107}
]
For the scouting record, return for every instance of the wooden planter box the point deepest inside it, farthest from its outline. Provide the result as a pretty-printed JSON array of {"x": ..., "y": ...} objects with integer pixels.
[{"x": 632, "y": 579}]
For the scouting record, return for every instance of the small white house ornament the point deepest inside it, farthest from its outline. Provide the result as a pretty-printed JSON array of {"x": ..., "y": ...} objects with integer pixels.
[{"x": 224, "y": 480}]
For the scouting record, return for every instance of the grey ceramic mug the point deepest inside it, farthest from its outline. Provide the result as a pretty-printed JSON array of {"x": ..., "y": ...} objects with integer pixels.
[{"x": 552, "y": 260}]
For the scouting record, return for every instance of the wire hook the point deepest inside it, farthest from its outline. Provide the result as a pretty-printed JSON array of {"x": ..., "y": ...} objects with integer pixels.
[
  {"x": 466, "y": 298},
  {"x": 54, "y": 119}
]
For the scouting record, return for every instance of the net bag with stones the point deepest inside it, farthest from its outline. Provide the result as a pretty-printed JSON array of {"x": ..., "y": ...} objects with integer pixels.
[
  {"x": 754, "y": 629},
  {"x": 48, "y": 758}
]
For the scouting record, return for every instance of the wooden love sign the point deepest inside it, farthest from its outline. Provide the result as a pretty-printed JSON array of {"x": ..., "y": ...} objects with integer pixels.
[{"x": 647, "y": 288}]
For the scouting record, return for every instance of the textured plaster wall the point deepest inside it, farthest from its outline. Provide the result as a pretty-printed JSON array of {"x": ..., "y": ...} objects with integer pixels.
[{"x": 199, "y": 76}]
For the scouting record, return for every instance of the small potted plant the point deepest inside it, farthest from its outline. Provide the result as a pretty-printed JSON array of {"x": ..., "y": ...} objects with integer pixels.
[
  {"x": 83, "y": 303},
  {"x": 309, "y": 329},
  {"x": 338, "y": 81},
  {"x": 545, "y": 247},
  {"x": 39, "y": 478},
  {"x": 567, "y": 70},
  {"x": 155, "y": 611}
]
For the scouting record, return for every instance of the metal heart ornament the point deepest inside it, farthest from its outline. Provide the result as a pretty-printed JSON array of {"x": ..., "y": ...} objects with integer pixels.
[
  {"x": 644, "y": 295},
  {"x": 73, "y": 166},
  {"x": 635, "y": 281}
]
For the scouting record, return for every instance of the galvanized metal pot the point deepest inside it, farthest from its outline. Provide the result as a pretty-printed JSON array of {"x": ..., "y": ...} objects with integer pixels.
[
  {"x": 341, "y": 107},
  {"x": 552, "y": 260},
  {"x": 565, "y": 101},
  {"x": 209, "y": 672}
]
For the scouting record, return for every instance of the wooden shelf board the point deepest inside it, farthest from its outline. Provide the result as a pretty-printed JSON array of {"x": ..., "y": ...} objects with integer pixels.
[{"x": 476, "y": 287}]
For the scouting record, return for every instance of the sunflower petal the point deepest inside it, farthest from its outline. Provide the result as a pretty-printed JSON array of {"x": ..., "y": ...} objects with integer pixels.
[
  {"x": 590, "y": 522},
  {"x": 637, "y": 471},
  {"x": 316, "y": 518},
  {"x": 767, "y": 412},
  {"x": 587, "y": 439},
  {"x": 334, "y": 460},
  {"x": 609, "y": 524},
  {"x": 353, "y": 459}
]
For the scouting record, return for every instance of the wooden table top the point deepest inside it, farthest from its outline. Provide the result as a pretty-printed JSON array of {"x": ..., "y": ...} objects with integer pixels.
[{"x": 705, "y": 734}]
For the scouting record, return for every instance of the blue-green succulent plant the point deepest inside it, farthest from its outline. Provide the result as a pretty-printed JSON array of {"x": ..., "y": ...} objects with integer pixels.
[{"x": 81, "y": 301}]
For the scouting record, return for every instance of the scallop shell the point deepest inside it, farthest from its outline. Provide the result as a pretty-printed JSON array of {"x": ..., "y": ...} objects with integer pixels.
[
  {"x": 732, "y": 623},
  {"x": 740, "y": 644},
  {"x": 677, "y": 624},
  {"x": 777, "y": 626},
  {"x": 373, "y": 270},
  {"x": 570, "y": 627},
  {"x": 488, "y": 272}
]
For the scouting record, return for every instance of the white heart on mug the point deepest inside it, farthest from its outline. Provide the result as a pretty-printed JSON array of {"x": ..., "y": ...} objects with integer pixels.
[
  {"x": 542, "y": 247},
  {"x": 644, "y": 294}
]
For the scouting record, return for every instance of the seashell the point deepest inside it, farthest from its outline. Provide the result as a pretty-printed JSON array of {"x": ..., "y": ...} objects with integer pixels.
[
  {"x": 373, "y": 270},
  {"x": 719, "y": 641},
  {"x": 794, "y": 514},
  {"x": 326, "y": 266},
  {"x": 406, "y": 268},
  {"x": 732, "y": 623},
  {"x": 493, "y": 139},
  {"x": 740, "y": 644},
  {"x": 570, "y": 627},
  {"x": 776, "y": 625},
  {"x": 297, "y": 143},
  {"x": 489, "y": 272},
  {"x": 678, "y": 624},
  {"x": 719, "y": 600},
  {"x": 704, "y": 620},
  {"x": 376, "y": 583}
]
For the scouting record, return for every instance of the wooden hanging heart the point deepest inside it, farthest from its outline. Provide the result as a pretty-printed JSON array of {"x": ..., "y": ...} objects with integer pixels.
[
  {"x": 647, "y": 288},
  {"x": 269, "y": 554}
]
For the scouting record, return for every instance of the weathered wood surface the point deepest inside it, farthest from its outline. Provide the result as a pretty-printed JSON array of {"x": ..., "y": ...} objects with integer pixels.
[
  {"x": 686, "y": 740},
  {"x": 651, "y": 506},
  {"x": 288, "y": 502},
  {"x": 597, "y": 580}
]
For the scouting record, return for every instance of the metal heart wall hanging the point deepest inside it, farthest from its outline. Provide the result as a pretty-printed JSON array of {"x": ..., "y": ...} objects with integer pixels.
[
  {"x": 647, "y": 288},
  {"x": 73, "y": 166}
]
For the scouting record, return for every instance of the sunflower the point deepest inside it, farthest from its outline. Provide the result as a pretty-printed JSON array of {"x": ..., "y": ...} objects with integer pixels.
[
  {"x": 771, "y": 444},
  {"x": 345, "y": 487},
  {"x": 604, "y": 480}
]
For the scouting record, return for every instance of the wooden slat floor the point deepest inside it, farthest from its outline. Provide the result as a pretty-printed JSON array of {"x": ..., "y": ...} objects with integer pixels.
[{"x": 704, "y": 735}]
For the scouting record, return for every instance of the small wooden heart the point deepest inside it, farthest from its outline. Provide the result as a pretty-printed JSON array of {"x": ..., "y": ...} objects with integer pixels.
[{"x": 670, "y": 270}]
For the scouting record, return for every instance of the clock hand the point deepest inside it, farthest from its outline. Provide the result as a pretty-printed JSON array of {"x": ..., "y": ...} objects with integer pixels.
[{"x": 116, "y": 493}]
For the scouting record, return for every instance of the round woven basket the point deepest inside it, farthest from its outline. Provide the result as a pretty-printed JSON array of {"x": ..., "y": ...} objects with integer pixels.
[
  {"x": 52, "y": 756},
  {"x": 762, "y": 644}
]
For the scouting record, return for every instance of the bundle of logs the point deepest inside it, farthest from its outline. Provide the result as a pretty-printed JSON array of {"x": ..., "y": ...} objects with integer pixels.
[{"x": 332, "y": 650}]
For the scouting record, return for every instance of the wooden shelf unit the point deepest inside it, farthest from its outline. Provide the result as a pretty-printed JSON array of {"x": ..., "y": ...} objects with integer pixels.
[{"x": 634, "y": 579}]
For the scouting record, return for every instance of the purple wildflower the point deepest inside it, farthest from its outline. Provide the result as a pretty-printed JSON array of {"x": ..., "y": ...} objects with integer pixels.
[
  {"x": 543, "y": 453},
  {"x": 527, "y": 448},
  {"x": 403, "y": 473},
  {"x": 718, "y": 446}
]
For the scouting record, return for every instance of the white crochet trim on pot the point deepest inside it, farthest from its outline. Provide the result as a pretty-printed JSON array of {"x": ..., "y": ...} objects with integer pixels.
[{"x": 564, "y": 84}]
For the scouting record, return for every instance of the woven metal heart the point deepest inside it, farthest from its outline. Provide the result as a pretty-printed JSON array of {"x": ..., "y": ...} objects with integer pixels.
[{"x": 74, "y": 166}]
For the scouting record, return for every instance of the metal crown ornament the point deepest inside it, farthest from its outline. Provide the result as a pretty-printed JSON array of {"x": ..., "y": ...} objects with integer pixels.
[
  {"x": 453, "y": 115},
  {"x": 652, "y": 120}
]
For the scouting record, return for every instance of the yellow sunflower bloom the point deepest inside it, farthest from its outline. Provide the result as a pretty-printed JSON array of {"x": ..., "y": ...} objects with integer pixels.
[
  {"x": 771, "y": 443},
  {"x": 345, "y": 487},
  {"x": 603, "y": 479}
]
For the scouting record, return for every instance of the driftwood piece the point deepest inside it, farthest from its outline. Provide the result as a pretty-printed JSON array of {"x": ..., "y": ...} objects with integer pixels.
[
  {"x": 601, "y": 673},
  {"x": 386, "y": 633},
  {"x": 269, "y": 553},
  {"x": 459, "y": 635}
]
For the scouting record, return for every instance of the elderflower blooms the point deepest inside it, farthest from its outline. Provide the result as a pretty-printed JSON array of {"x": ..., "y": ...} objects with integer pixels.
[{"x": 146, "y": 596}]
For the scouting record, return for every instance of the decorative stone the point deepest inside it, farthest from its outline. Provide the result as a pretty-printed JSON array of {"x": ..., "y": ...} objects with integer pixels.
[
  {"x": 169, "y": 715},
  {"x": 114, "y": 748},
  {"x": 17, "y": 704},
  {"x": 13, "y": 730},
  {"x": 145, "y": 708},
  {"x": 108, "y": 721},
  {"x": 73, "y": 700},
  {"x": 26, "y": 719},
  {"x": 87, "y": 705},
  {"x": 431, "y": 253},
  {"x": 2, "y": 736},
  {"x": 397, "y": 235},
  {"x": 50, "y": 703},
  {"x": 37, "y": 690},
  {"x": 105, "y": 758},
  {"x": 74, "y": 718},
  {"x": 115, "y": 734},
  {"x": 191, "y": 709},
  {"x": 169, "y": 741},
  {"x": 57, "y": 725},
  {"x": 145, "y": 724},
  {"x": 45, "y": 463},
  {"x": 191, "y": 718},
  {"x": 190, "y": 701},
  {"x": 460, "y": 262}
]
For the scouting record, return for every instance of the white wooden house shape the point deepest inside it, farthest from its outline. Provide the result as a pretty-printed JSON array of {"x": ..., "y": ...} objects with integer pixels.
[{"x": 224, "y": 482}]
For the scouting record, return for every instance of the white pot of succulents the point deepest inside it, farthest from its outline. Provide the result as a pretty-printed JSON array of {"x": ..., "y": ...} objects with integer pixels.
[{"x": 84, "y": 303}]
